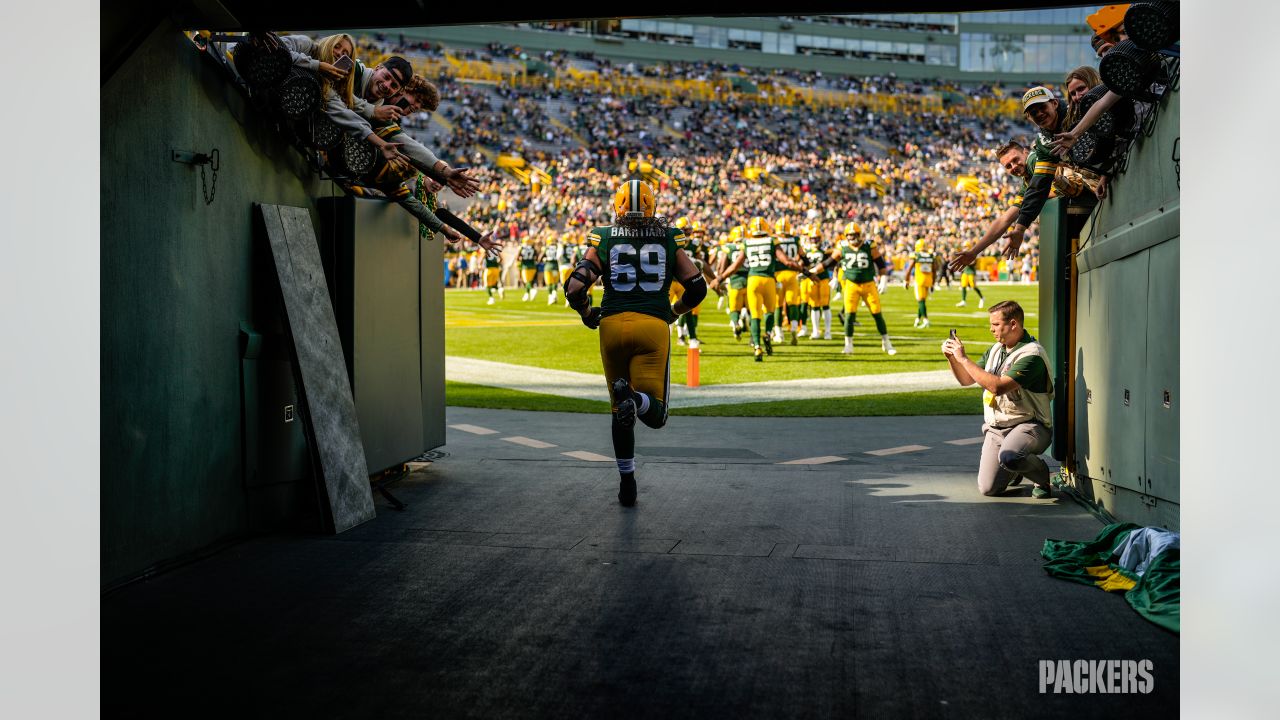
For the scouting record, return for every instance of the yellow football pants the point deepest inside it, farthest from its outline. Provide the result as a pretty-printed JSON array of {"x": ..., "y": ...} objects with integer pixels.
[
  {"x": 967, "y": 281},
  {"x": 737, "y": 299},
  {"x": 528, "y": 274},
  {"x": 790, "y": 282},
  {"x": 854, "y": 293},
  {"x": 762, "y": 296},
  {"x": 924, "y": 282},
  {"x": 819, "y": 293},
  {"x": 491, "y": 276},
  {"x": 636, "y": 347}
]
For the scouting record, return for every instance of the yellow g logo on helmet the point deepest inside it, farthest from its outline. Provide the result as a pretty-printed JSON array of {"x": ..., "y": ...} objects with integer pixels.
[
  {"x": 782, "y": 226},
  {"x": 757, "y": 227},
  {"x": 852, "y": 230},
  {"x": 813, "y": 230},
  {"x": 697, "y": 228},
  {"x": 634, "y": 199},
  {"x": 736, "y": 233}
]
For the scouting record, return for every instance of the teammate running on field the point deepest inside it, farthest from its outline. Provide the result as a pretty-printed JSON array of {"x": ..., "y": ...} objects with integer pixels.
[
  {"x": 818, "y": 286},
  {"x": 637, "y": 257},
  {"x": 760, "y": 254},
  {"x": 922, "y": 262},
  {"x": 968, "y": 281},
  {"x": 737, "y": 280},
  {"x": 551, "y": 269},
  {"x": 528, "y": 268},
  {"x": 788, "y": 278},
  {"x": 493, "y": 277},
  {"x": 860, "y": 264}
]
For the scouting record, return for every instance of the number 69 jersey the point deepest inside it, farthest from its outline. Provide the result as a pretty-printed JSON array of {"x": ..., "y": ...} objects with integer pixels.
[{"x": 636, "y": 264}]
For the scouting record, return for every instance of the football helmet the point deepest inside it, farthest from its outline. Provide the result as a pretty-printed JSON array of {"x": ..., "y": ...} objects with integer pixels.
[
  {"x": 757, "y": 227},
  {"x": 634, "y": 198},
  {"x": 782, "y": 227},
  {"x": 852, "y": 230}
]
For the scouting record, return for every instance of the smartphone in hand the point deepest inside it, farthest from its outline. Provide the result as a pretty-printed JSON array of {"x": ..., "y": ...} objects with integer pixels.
[
  {"x": 953, "y": 334},
  {"x": 344, "y": 63}
]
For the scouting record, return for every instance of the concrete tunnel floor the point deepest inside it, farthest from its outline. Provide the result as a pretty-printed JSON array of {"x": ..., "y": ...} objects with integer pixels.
[{"x": 514, "y": 585}]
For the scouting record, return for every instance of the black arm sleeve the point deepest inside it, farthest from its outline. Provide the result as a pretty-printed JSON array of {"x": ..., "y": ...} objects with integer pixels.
[
  {"x": 458, "y": 224},
  {"x": 695, "y": 289}
]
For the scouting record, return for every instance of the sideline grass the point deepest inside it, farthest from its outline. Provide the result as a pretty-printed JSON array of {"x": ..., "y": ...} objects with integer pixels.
[
  {"x": 960, "y": 401},
  {"x": 550, "y": 336}
]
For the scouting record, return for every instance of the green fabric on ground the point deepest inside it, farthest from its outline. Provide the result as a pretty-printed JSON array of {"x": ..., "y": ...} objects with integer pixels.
[{"x": 1156, "y": 595}]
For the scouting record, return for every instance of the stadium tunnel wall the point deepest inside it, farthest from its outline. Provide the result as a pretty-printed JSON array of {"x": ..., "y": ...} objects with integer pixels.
[
  {"x": 1125, "y": 452},
  {"x": 196, "y": 450}
]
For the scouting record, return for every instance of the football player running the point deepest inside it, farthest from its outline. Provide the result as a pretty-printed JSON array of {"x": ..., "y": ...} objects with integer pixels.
[
  {"x": 969, "y": 281},
  {"x": 737, "y": 280},
  {"x": 922, "y": 262},
  {"x": 528, "y": 255},
  {"x": 860, "y": 262},
  {"x": 819, "y": 286},
  {"x": 788, "y": 278},
  {"x": 637, "y": 257},
  {"x": 760, "y": 254},
  {"x": 551, "y": 269}
]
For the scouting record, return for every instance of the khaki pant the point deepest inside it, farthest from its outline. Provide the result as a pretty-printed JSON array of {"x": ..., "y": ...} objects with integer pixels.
[{"x": 1010, "y": 452}]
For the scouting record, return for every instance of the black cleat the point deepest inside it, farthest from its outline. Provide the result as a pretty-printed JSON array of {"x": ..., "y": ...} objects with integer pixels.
[
  {"x": 759, "y": 354},
  {"x": 737, "y": 332},
  {"x": 627, "y": 490},
  {"x": 626, "y": 409},
  {"x": 768, "y": 344}
]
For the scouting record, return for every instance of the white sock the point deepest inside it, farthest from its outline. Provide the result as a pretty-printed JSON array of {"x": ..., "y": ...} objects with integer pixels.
[
  {"x": 642, "y": 403},
  {"x": 795, "y": 325},
  {"x": 826, "y": 321},
  {"x": 627, "y": 466}
]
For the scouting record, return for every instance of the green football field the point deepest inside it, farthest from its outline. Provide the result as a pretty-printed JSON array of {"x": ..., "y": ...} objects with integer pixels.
[{"x": 551, "y": 336}]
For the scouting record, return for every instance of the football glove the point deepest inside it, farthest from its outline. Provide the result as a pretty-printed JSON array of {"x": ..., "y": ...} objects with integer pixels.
[{"x": 592, "y": 318}]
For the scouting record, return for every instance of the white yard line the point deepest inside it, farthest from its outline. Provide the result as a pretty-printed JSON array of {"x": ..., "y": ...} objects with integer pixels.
[
  {"x": 815, "y": 460},
  {"x": 586, "y": 386},
  {"x": 585, "y": 455},
  {"x": 897, "y": 450},
  {"x": 474, "y": 429},
  {"x": 528, "y": 442}
]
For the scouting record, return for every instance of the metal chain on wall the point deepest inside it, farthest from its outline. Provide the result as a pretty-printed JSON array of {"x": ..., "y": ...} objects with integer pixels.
[{"x": 209, "y": 191}]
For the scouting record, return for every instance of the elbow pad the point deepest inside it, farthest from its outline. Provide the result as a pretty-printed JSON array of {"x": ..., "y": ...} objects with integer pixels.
[
  {"x": 695, "y": 289},
  {"x": 585, "y": 273}
]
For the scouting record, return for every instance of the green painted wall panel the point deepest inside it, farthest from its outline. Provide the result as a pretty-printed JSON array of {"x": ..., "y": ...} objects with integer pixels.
[
  {"x": 1091, "y": 383},
  {"x": 177, "y": 280},
  {"x": 1127, "y": 337},
  {"x": 1163, "y": 426}
]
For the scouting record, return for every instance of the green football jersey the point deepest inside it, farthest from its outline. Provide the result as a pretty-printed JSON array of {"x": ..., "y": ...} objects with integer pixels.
[
  {"x": 491, "y": 261},
  {"x": 815, "y": 258},
  {"x": 790, "y": 246},
  {"x": 924, "y": 263},
  {"x": 857, "y": 263},
  {"x": 637, "y": 265},
  {"x": 760, "y": 255},
  {"x": 551, "y": 258},
  {"x": 528, "y": 256}
]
